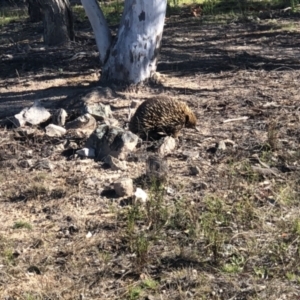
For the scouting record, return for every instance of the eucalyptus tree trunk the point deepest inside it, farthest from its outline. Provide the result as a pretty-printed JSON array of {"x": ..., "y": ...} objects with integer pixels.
[
  {"x": 34, "y": 11},
  {"x": 132, "y": 58},
  {"x": 58, "y": 22},
  {"x": 100, "y": 27}
]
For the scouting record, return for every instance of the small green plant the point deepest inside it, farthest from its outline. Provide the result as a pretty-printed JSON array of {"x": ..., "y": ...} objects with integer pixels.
[
  {"x": 287, "y": 196},
  {"x": 296, "y": 226},
  {"x": 112, "y": 11},
  {"x": 79, "y": 12},
  {"x": 261, "y": 272},
  {"x": 8, "y": 15},
  {"x": 104, "y": 256},
  {"x": 134, "y": 214},
  {"x": 209, "y": 6},
  {"x": 134, "y": 293},
  {"x": 141, "y": 248},
  {"x": 156, "y": 211},
  {"x": 9, "y": 256},
  {"x": 137, "y": 291},
  {"x": 22, "y": 224},
  {"x": 30, "y": 297},
  {"x": 245, "y": 169},
  {"x": 211, "y": 222},
  {"x": 149, "y": 284},
  {"x": 235, "y": 265},
  {"x": 292, "y": 277}
]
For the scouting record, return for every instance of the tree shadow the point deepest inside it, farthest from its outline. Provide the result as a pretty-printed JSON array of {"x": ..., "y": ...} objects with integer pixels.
[
  {"x": 13, "y": 102},
  {"x": 215, "y": 48},
  {"x": 191, "y": 46}
]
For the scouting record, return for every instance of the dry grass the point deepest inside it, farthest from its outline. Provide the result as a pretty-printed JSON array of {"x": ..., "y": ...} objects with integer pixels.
[{"x": 232, "y": 232}]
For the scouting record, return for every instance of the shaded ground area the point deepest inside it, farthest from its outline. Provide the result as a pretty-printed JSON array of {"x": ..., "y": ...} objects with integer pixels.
[{"x": 230, "y": 232}]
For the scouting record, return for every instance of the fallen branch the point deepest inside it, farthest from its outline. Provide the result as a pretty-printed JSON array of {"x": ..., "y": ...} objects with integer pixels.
[{"x": 236, "y": 119}]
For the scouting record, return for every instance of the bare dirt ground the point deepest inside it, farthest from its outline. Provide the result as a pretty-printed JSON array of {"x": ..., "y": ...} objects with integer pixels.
[{"x": 230, "y": 232}]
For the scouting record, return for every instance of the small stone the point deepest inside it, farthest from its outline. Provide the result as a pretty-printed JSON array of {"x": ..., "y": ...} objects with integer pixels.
[
  {"x": 124, "y": 187},
  {"x": 59, "y": 117},
  {"x": 86, "y": 152},
  {"x": 141, "y": 195},
  {"x": 28, "y": 153},
  {"x": 84, "y": 124},
  {"x": 115, "y": 164},
  {"x": 167, "y": 146},
  {"x": 170, "y": 191},
  {"x": 59, "y": 147},
  {"x": 222, "y": 145},
  {"x": 19, "y": 119},
  {"x": 89, "y": 235},
  {"x": 111, "y": 140},
  {"x": 34, "y": 270},
  {"x": 55, "y": 130},
  {"x": 157, "y": 168},
  {"x": 111, "y": 122},
  {"x": 34, "y": 115},
  {"x": 25, "y": 163},
  {"x": 191, "y": 154},
  {"x": 99, "y": 111},
  {"x": 194, "y": 170}
]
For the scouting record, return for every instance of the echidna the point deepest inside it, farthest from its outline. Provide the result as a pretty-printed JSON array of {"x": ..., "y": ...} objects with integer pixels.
[{"x": 161, "y": 115}]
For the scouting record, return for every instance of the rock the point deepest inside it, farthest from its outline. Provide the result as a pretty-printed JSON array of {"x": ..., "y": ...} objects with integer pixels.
[
  {"x": 59, "y": 117},
  {"x": 157, "y": 168},
  {"x": 191, "y": 154},
  {"x": 222, "y": 145},
  {"x": 84, "y": 124},
  {"x": 60, "y": 147},
  {"x": 170, "y": 191},
  {"x": 89, "y": 235},
  {"x": 111, "y": 140},
  {"x": 25, "y": 163},
  {"x": 111, "y": 122},
  {"x": 98, "y": 110},
  {"x": 167, "y": 146},
  {"x": 194, "y": 170},
  {"x": 124, "y": 187},
  {"x": 55, "y": 130},
  {"x": 115, "y": 164},
  {"x": 29, "y": 153},
  {"x": 19, "y": 119},
  {"x": 86, "y": 152},
  {"x": 141, "y": 195},
  {"x": 34, "y": 115}
]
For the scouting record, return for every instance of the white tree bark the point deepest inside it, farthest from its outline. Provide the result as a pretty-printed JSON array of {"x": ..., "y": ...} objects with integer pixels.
[
  {"x": 100, "y": 27},
  {"x": 133, "y": 57}
]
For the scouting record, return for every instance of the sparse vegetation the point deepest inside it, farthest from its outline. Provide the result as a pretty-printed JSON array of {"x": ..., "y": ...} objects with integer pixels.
[
  {"x": 230, "y": 232},
  {"x": 22, "y": 224}
]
